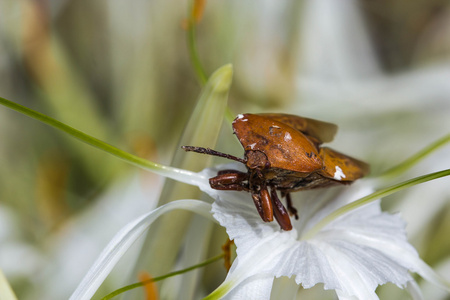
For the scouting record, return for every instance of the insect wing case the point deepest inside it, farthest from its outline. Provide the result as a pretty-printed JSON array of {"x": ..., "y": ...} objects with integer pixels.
[
  {"x": 285, "y": 147},
  {"x": 317, "y": 131},
  {"x": 341, "y": 167}
]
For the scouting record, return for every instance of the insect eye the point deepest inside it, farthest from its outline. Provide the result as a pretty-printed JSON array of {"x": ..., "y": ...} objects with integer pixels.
[{"x": 257, "y": 160}]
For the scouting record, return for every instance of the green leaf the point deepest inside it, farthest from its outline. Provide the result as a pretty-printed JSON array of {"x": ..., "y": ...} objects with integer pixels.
[
  {"x": 159, "y": 278},
  {"x": 163, "y": 243},
  {"x": 174, "y": 173},
  {"x": 372, "y": 197},
  {"x": 6, "y": 293},
  {"x": 416, "y": 158}
]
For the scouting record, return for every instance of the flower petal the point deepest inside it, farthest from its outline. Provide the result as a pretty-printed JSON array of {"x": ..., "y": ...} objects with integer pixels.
[
  {"x": 284, "y": 288},
  {"x": 123, "y": 240},
  {"x": 414, "y": 290},
  {"x": 424, "y": 270},
  {"x": 255, "y": 287},
  {"x": 352, "y": 255}
]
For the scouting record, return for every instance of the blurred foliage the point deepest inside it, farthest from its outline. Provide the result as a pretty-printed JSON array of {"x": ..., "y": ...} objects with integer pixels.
[
  {"x": 398, "y": 29},
  {"x": 121, "y": 72}
]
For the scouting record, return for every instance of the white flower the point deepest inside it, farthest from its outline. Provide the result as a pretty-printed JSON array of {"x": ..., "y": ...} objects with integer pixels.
[
  {"x": 351, "y": 255},
  {"x": 122, "y": 241}
]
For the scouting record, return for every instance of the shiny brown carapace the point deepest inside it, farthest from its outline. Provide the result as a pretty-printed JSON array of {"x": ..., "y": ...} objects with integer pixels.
[{"x": 283, "y": 155}]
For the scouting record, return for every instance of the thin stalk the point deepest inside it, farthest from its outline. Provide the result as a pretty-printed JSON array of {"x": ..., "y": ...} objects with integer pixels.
[
  {"x": 174, "y": 173},
  {"x": 411, "y": 161},
  {"x": 142, "y": 283},
  {"x": 372, "y": 197},
  {"x": 192, "y": 46},
  {"x": 221, "y": 291}
]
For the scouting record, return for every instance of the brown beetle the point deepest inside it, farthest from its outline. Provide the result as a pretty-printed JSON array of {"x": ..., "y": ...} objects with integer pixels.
[{"x": 283, "y": 153}]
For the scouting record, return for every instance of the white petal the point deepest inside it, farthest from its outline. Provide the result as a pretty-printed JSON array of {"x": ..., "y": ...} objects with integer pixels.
[
  {"x": 353, "y": 254},
  {"x": 253, "y": 288},
  {"x": 414, "y": 291},
  {"x": 424, "y": 270},
  {"x": 342, "y": 296},
  {"x": 284, "y": 288},
  {"x": 123, "y": 240}
]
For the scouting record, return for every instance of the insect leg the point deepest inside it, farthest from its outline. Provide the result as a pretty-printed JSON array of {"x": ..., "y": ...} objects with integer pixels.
[
  {"x": 257, "y": 201},
  {"x": 266, "y": 204},
  {"x": 280, "y": 213},
  {"x": 292, "y": 210},
  {"x": 229, "y": 181}
]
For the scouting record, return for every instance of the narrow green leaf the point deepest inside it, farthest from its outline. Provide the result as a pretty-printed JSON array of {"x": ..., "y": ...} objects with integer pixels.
[
  {"x": 192, "y": 46},
  {"x": 416, "y": 158},
  {"x": 6, "y": 293},
  {"x": 372, "y": 197},
  {"x": 221, "y": 291},
  {"x": 142, "y": 283},
  {"x": 206, "y": 120},
  {"x": 125, "y": 238},
  {"x": 66, "y": 93},
  {"x": 174, "y": 173},
  {"x": 163, "y": 243}
]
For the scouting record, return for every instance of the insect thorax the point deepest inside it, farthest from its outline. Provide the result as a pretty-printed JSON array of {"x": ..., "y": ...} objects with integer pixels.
[{"x": 290, "y": 181}]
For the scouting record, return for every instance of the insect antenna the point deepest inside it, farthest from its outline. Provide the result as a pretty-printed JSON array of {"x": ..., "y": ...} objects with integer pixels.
[{"x": 213, "y": 152}]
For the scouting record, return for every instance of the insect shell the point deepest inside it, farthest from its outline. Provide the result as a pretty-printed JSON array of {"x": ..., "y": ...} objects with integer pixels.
[{"x": 283, "y": 153}]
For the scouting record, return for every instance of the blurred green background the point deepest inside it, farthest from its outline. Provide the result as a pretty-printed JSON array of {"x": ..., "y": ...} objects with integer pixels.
[{"x": 120, "y": 71}]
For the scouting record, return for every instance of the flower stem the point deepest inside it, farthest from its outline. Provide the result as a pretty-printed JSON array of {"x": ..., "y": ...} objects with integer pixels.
[
  {"x": 192, "y": 46},
  {"x": 142, "y": 283},
  {"x": 410, "y": 162},
  {"x": 221, "y": 291},
  {"x": 174, "y": 173},
  {"x": 372, "y": 197}
]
